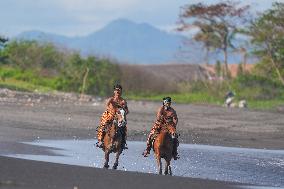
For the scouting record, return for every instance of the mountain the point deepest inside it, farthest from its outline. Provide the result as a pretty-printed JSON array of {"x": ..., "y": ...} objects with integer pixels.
[
  {"x": 135, "y": 43},
  {"x": 131, "y": 42},
  {"x": 44, "y": 37},
  {"x": 121, "y": 39}
]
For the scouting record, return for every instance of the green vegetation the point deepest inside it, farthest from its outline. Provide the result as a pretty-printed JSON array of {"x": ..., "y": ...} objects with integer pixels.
[
  {"x": 204, "y": 98},
  {"x": 267, "y": 34},
  {"x": 196, "y": 98},
  {"x": 30, "y": 66},
  {"x": 217, "y": 24},
  {"x": 259, "y": 92},
  {"x": 15, "y": 79}
]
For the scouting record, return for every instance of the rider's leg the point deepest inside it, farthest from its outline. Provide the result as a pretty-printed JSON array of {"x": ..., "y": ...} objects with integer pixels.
[
  {"x": 100, "y": 136},
  {"x": 155, "y": 127},
  {"x": 124, "y": 136},
  {"x": 106, "y": 118}
]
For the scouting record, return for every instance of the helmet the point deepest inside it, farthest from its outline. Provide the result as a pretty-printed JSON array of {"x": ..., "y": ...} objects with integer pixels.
[
  {"x": 117, "y": 86},
  {"x": 167, "y": 100}
]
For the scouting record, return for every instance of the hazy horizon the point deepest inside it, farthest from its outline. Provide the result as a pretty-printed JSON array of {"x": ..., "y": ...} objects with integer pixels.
[{"x": 80, "y": 18}]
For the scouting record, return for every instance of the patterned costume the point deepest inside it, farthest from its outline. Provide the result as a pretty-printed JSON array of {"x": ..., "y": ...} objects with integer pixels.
[
  {"x": 108, "y": 116},
  {"x": 166, "y": 117},
  {"x": 163, "y": 120}
]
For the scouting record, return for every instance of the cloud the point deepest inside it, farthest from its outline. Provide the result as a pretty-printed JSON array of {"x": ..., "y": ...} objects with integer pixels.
[
  {"x": 94, "y": 14},
  {"x": 97, "y": 5}
]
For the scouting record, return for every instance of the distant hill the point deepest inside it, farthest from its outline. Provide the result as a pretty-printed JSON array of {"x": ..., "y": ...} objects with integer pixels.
[
  {"x": 233, "y": 68},
  {"x": 121, "y": 39},
  {"x": 175, "y": 73},
  {"x": 134, "y": 43}
]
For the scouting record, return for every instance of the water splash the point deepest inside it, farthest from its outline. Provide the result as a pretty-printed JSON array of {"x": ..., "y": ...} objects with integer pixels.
[{"x": 244, "y": 165}]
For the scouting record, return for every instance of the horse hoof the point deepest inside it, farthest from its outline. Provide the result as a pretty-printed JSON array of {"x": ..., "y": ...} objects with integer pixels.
[
  {"x": 106, "y": 166},
  {"x": 115, "y": 166}
]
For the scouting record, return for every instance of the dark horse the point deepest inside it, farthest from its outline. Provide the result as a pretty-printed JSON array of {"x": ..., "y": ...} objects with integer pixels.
[
  {"x": 163, "y": 148},
  {"x": 113, "y": 138}
]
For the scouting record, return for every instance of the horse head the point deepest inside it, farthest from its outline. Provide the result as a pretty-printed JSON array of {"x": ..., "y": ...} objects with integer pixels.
[
  {"x": 118, "y": 122},
  {"x": 171, "y": 131},
  {"x": 118, "y": 125},
  {"x": 121, "y": 119}
]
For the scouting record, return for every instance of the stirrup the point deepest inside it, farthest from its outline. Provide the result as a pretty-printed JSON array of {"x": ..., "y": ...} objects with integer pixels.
[
  {"x": 146, "y": 153},
  {"x": 99, "y": 144},
  {"x": 176, "y": 157},
  {"x": 124, "y": 146}
]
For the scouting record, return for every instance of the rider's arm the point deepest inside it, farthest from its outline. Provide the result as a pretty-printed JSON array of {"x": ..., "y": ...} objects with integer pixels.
[
  {"x": 160, "y": 113},
  {"x": 125, "y": 107},
  {"x": 108, "y": 102},
  {"x": 175, "y": 118}
]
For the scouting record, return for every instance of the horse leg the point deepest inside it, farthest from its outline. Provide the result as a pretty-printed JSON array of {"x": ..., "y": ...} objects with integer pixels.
[
  {"x": 159, "y": 162},
  {"x": 106, "y": 160},
  {"x": 116, "y": 160},
  {"x": 168, "y": 169}
]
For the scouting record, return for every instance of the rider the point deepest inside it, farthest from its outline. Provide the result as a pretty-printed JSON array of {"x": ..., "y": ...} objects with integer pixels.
[
  {"x": 166, "y": 116},
  {"x": 112, "y": 105},
  {"x": 229, "y": 94},
  {"x": 229, "y": 97}
]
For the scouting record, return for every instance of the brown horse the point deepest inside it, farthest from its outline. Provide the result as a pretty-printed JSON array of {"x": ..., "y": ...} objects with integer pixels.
[
  {"x": 163, "y": 148},
  {"x": 113, "y": 138}
]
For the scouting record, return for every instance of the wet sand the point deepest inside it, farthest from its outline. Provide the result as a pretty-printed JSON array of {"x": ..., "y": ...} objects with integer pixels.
[
  {"x": 16, "y": 173},
  {"x": 49, "y": 119},
  {"x": 198, "y": 124}
]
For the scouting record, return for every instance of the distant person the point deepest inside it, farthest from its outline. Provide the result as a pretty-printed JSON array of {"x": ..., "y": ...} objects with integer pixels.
[
  {"x": 229, "y": 94},
  {"x": 229, "y": 97},
  {"x": 113, "y": 104},
  {"x": 166, "y": 117}
]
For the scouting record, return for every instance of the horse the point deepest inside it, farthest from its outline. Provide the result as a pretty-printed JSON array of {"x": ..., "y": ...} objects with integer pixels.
[
  {"x": 163, "y": 148},
  {"x": 230, "y": 103},
  {"x": 113, "y": 138}
]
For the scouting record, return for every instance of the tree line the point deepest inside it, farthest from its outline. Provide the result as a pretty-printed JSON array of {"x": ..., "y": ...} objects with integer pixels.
[
  {"x": 218, "y": 26},
  {"x": 46, "y": 65}
]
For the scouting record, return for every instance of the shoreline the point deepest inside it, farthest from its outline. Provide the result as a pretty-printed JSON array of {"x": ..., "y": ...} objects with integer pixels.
[
  {"x": 197, "y": 124},
  {"x": 24, "y": 118},
  {"x": 18, "y": 173}
]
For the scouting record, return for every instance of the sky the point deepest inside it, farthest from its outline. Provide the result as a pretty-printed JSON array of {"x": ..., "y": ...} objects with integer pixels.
[{"x": 82, "y": 17}]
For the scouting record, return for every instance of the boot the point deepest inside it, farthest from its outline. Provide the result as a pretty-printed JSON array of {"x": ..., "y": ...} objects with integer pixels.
[
  {"x": 147, "y": 151},
  {"x": 124, "y": 146},
  {"x": 175, "y": 156},
  {"x": 100, "y": 144}
]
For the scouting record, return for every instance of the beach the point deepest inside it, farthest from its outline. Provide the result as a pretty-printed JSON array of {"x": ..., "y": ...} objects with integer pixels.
[{"x": 29, "y": 117}]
